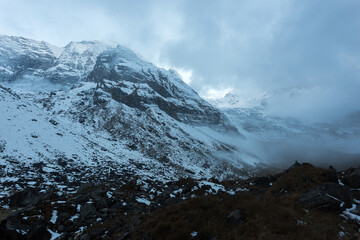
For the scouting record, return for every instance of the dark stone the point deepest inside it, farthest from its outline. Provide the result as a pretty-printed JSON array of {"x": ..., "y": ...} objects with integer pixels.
[
  {"x": 82, "y": 198},
  {"x": 353, "y": 179},
  {"x": 68, "y": 223},
  {"x": 82, "y": 119},
  {"x": 63, "y": 217},
  {"x": 38, "y": 231},
  {"x": 172, "y": 201},
  {"x": 262, "y": 181},
  {"x": 235, "y": 217},
  {"x": 87, "y": 210},
  {"x": 96, "y": 233},
  {"x": 53, "y": 122},
  {"x": 105, "y": 211},
  {"x": 9, "y": 233},
  {"x": 34, "y": 135},
  {"x": 356, "y": 194},
  {"x": 25, "y": 197},
  {"x": 115, "y": 208},
  {"x": 62, "y": 162},
  {"x": 327, "y": 196},
  {"x": 98, "y": 194},
  {"x": 84, "y": 187},
  {"x": 101, "y": 204},
  {"x": 61, "y": 228},
  {"x": 332, "y": 175},
  {"x": 84, "y": 236},
  {"x": 126, "y": 235},
  {"x": 76, "y": 221}
]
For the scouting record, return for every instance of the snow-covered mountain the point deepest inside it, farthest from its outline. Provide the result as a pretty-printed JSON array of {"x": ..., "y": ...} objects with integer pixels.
[
  {"x": 37, "y": 66},
  {"x": 21, "y": 57},
  {"x": 103, "y": 106},
  {"x": 232, "y": 100},
  {"x": 281, "y": 138}
]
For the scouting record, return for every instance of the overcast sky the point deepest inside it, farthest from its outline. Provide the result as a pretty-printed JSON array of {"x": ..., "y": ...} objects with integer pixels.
[{"x": 304, "y": 53}]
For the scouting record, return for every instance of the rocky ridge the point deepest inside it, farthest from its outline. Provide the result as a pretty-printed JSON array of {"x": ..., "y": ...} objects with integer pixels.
[{"x": 315, "y": 203}]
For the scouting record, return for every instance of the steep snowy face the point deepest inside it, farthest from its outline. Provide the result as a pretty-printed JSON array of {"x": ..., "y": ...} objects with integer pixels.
[
  {"x": 32, "y": 63},
  {"x": 141, "y": 85},
  {"x": 75, "y": 62},
  {"x": 109, "y": 104},
  {"x": 20, "y": 57},
  {"x": 150, "y": 140},
  {"x": 231, "y": 100},
  {"x": 30, "y": 136}
]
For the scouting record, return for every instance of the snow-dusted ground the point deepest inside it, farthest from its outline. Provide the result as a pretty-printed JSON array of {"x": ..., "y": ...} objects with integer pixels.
[
  {"x": 31, "y": 135},
  {"x": 201, "y": 150},
  {"x": 104, "y": 109}
]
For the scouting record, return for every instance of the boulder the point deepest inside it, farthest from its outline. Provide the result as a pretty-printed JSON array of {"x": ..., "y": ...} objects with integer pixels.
[
  {"x": 101, "y": 203},
  {"x": 332, "y": 175},
  {"x": 98, "y": 193},
  {"x": 115, "y": 208},
  {"x": 26, "y": 197},
  {"x": 38, "y": 231},
  {"x": 96, "y": 233},
  {"x": 87, "y": 210},
  {"x": 327, "y": 196},
  {"x": 172, "y": 201},
  {"x": 262, "y": 182},
  {"x": 84, "y": 187},
  {"x": 63, "y": 217},
  {"x": 235, "y": 217},
  {"x": 8, "y": 232},
  {"x": 353, "y": 179}
]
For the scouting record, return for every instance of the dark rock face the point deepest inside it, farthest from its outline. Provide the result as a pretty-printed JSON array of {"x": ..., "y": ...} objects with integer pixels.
[
  {"x": 327, "y": 196},
  {"x": 139, "y": 84}
]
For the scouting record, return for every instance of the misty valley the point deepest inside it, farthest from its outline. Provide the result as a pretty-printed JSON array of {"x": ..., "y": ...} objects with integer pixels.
[{"x": 98, "y": 143}]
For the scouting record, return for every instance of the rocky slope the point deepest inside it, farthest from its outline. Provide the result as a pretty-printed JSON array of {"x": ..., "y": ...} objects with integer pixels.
[
  {"x": 302, "y": 202},
  {"x": 119, "y": 109}
]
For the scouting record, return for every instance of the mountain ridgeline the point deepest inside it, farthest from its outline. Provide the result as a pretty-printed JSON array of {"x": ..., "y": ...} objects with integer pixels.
[
  {"x": 139, "y": 84},
  {"x": 111, "y": 90},
  {"x": 134, "y": 81}
]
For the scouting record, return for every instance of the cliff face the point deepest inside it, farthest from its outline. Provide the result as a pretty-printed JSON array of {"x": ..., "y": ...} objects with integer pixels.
[{"x": 141, "y": 85}]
